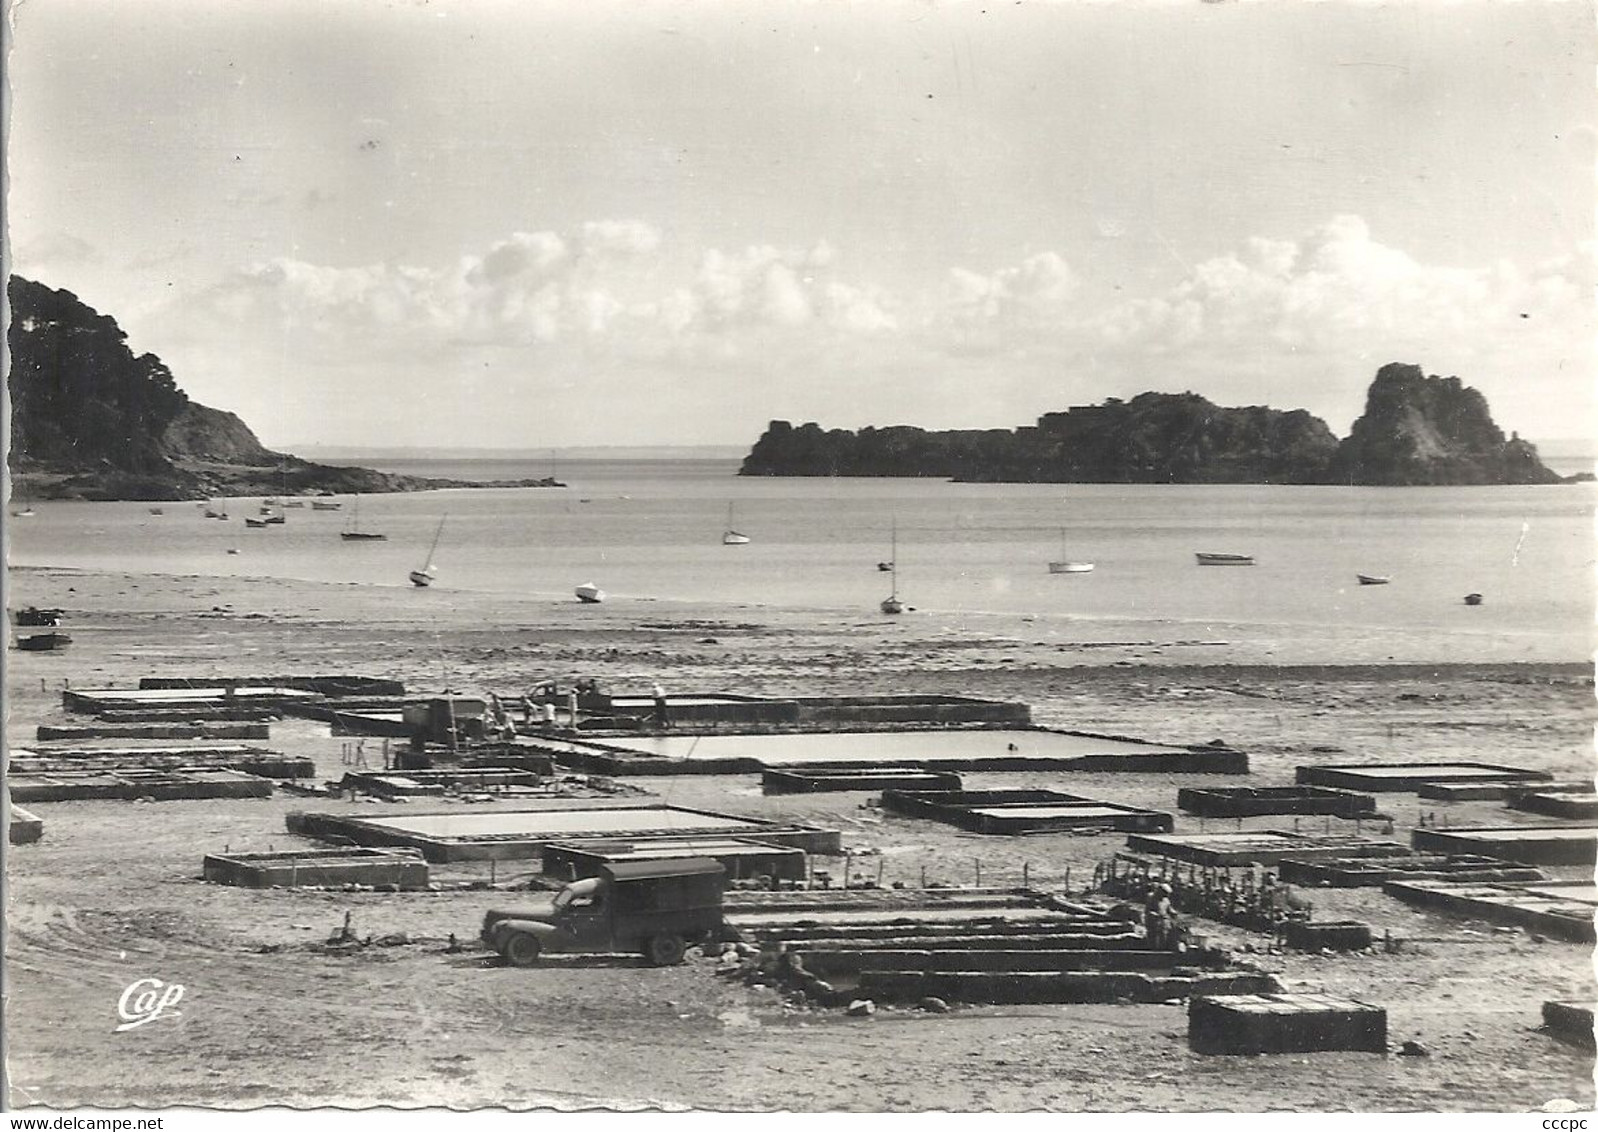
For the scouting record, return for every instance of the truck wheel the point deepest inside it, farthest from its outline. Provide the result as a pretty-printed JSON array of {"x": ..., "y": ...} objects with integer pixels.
[
  {"x": 665, "y": 950},
  {"x": 520, "y": 949}
]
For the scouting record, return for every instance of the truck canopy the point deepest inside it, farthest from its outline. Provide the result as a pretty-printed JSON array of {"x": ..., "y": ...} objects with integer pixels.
[{"x": 670, "y": 867}]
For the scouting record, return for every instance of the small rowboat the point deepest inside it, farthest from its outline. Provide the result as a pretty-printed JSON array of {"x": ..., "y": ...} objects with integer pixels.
[
  {"x": 1372, "y": 579},
  {"x": 1225, "y": 559},
  {"x": 589, "y": 594},
  {"x": 1473, "y": 599}
]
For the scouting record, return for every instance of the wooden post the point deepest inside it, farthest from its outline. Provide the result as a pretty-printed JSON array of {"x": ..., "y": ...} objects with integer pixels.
[
  {"x": 979, "y": 872},
  {"x": 1025, "y": 871},
  {"x": 880, "y": 861},
  {"x": 923, "y": 876},
  {"x": 1068, "y": 880},
  {"x": 493, "y": 873}
]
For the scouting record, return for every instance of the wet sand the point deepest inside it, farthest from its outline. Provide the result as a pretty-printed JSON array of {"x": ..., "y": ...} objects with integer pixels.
[{"x": 113, "y": 894}]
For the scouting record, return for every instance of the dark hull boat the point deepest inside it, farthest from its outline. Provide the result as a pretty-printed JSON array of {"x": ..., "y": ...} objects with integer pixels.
[{"x": 44, "y": 642}]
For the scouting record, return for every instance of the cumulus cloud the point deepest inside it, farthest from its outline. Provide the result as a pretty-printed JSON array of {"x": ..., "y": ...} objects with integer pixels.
[
  {"x": 1337, "y": 290},
  {"x": 521, "y": 254},
  {"x": 1033, "y": 291},
  {"x": 607, "y": 282},
  {"x": 1293, "y": 322}
]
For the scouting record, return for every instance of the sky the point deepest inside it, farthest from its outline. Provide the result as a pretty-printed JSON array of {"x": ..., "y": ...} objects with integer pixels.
[{"x": 526, "y": 224}]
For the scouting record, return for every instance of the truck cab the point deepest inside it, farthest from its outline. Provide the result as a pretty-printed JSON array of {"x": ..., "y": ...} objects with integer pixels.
[{"x": 653, "y": 908}]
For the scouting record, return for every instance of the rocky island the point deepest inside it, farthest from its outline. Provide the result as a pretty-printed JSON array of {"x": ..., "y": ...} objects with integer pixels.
[
  {"x": 1416, "y": 430},
  {"x": 92, "y": 420}
]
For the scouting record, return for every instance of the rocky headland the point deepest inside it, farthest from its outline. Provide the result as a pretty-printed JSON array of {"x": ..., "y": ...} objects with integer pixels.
[
  {"x": 1415, "y": 430},
  {"x": 92, "y": 420}
]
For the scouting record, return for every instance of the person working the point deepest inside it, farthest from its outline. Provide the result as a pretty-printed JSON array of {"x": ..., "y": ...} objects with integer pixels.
[{"x": 660, "y": 706}]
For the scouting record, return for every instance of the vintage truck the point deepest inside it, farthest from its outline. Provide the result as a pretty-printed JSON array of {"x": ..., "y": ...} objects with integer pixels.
[{"x": 655, "y": 908}]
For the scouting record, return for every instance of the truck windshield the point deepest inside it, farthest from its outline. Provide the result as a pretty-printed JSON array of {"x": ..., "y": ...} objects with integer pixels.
[{"x": 580, "y": 894}]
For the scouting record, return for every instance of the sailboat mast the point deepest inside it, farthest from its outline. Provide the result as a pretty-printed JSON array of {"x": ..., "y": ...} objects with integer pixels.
[
  {"x": 893, "y": 558},
  {"x": 432, "y": 550}
]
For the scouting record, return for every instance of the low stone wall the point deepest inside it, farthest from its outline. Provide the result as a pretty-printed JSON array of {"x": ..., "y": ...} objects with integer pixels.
[
  {"x": 1012, "y": 987},
  {"x": 1503, "y": 904},
  {"x": 319, "y": 868},
  {"x": 1263, "y": 847},
  {"x": 820, "y": 779},
  {"x": 130, "y": 785},
  {"x": 189, "y": 715},
  {"x": 1414, "y": 777},
  {"x": 832, "y": 711},
  {"x": 338, "y": 685},
  {"x": 25, "y": 827},
  {"x": 419, "y": 783},
  {"x": 1373, "y": 872},
  {"x": 248, "y": 760},
  {"x": 1284, "y": 1023},
  {"x": 1569, "y": 1022},
  {"x": 1254, "y": 801},
  {"x": 1571, "y": 806},
  {"x": 1050, "y": 811},
  {"x": 1335, "y": 935},
  {"x": 828, "y": 962},
  {"x": 156, "y": 731},
  {"x": 345, "y": 829},
  {"x": 1569, "y": 845}
]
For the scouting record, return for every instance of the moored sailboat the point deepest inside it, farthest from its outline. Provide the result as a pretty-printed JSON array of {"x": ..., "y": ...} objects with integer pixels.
[
  {"x": 352, "y": 530},
  {"x": 731, "y": 536},
  {"x": 1065, "y": 564},
  {"x": 424, "y": 577},
  {"x": 891, "y": 604}
]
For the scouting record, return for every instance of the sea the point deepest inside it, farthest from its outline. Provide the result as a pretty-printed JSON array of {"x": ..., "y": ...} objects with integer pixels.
[{"x": 652, "y": 528}]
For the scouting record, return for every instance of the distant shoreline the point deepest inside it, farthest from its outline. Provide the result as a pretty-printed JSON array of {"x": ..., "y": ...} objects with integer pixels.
[{"x": 337, "y": 453}]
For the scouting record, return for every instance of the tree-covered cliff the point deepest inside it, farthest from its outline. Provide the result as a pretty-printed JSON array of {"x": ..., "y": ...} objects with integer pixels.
[
  {"x": 91, "y": 419},
  {"x": 1415, "y": 430}
]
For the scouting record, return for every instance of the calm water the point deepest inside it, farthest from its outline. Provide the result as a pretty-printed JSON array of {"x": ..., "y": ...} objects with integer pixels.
[{"x": 653, "y": 529}]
